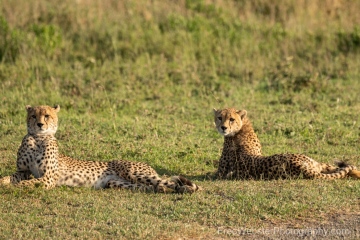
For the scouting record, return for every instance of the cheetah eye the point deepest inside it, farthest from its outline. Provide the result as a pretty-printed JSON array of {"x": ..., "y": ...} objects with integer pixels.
[
  {"x": 232, "y": 119},
  {"x": 33, "y": 116},
  {"x": 47, "y": 116},
  {"x": 220, "y": 118}
]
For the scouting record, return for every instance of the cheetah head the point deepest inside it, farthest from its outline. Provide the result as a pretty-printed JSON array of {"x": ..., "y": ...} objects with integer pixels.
[
  {"x": 229, "y": 121},
  {"x": 42, "y": 120}
]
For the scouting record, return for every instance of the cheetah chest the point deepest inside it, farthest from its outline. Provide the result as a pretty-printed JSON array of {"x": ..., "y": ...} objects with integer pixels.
[{"x": 37, "y": 155}]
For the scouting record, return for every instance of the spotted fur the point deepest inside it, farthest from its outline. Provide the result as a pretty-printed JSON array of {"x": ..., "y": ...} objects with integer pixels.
[
  {"x": 38, "y": 162},
  {"x": 241, "y": 157}
]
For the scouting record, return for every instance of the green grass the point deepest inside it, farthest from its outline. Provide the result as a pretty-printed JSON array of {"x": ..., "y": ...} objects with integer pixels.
[{"x": 137, "y": 80}]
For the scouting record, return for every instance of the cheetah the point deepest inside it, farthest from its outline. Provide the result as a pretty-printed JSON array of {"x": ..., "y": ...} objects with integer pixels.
[
  {"x": 241, "y": 156},
  {"x": 39, "y": 163}
]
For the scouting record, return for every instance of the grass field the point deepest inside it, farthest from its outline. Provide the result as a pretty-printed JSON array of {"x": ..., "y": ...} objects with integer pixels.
[{"x": 137, "y": 80}]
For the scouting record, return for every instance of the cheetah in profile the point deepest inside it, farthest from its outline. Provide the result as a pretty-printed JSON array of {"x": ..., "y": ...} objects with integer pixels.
[
  {"x": 38, "y": 162},
  {"x": 241, "y": 157}
]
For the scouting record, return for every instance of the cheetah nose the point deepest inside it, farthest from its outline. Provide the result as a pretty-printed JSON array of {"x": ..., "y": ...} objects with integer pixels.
[
  {"x": 223, "y": 128},
  {"x": 40, "y": 125}
]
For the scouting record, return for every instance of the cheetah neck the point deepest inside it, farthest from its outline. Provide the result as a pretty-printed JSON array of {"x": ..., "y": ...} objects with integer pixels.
[
  {"x": 41, "y": 137},
  {"x": 245, "y": 141}
]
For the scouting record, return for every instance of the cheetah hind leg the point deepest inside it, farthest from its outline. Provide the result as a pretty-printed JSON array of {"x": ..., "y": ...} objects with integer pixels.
[
  {"x": 185, "y": 185},
  {"x": 177, "y": 184},
  {"x": 124, "y": 184}
]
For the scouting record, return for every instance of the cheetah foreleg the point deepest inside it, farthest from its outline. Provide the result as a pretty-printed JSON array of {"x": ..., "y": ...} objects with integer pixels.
[
  {"x": 5, "y": 180},
  {"x": 46, "y": 181},
  {"x": 15, "y": 178}
]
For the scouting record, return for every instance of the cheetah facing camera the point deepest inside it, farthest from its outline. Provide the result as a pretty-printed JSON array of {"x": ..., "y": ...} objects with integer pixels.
[
  {"x": 38, "y": 156},
  {"x": 241, "y": 156}
]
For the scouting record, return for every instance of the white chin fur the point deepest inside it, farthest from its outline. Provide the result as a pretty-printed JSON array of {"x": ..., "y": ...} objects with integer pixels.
[
  {"x": 45, "y": 131},
  {"x": 226, "y": 134},
  {"x": 231, "y": 134},
  {"x": 48, "y": 131}
]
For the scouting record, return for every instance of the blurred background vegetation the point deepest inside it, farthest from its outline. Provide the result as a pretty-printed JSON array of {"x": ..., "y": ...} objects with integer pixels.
[{"x": 146, "y": 49}]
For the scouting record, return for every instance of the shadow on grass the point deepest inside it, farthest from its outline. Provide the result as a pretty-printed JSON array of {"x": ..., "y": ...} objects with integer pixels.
[{"x": 209, "y": 176}]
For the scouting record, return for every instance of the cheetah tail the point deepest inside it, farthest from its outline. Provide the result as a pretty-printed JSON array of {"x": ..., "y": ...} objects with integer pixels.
[
  {"x": 342, "y": 164},
  {"x": 354, "y": 173}
]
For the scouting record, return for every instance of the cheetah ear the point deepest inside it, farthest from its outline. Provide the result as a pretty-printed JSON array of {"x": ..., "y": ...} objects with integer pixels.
[
  {"x": 28, "y": 107},
  {"x": 57, "y": 108},
  {"x": 216, "y": 111},
  {"x": 242, "y": 113}
]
